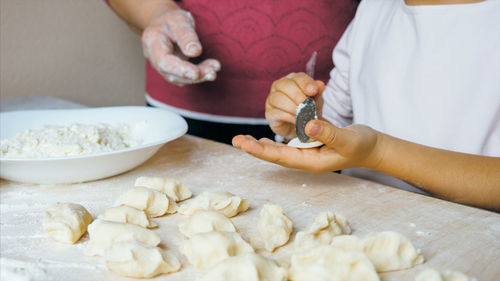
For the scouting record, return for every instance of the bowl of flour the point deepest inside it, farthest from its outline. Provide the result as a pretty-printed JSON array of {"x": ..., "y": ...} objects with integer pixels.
[{"x": 78, "y": 145}]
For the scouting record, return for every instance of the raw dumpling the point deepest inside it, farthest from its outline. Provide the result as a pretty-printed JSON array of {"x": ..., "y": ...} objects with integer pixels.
[
  {"x": 206, "y": 249},
  {"x": 128, "y": 214},
  {"x": 153, "y": 202},
  {"x": 139, "y": 260},
  {"x": 390, "y": 250},
  {"x": 321, "y": 231},
  {"x": 220, "y": 201},
  {"x": 172, "y": 187},
  {"x": 434, "y": 275},
  {"x": 104, "y": 233},
  {"x": 66, "y": 222},
  {"x": 274, "y": 226},
  {"x": 246, "y": 267},
  {"x": 346, "y": 242},
  {"x": 329, "y": 263},
  {"x": 206, "y": 221}
]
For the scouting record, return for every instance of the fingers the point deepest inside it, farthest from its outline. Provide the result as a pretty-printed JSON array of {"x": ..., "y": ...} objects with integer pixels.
[
  {"x": 278, "y": 100},
  {"x": 287, "y": 86},
  {"x": 182, "y": 31},
  {"x": 208, "y": 69},
  {"x": 330, "y": 135}
]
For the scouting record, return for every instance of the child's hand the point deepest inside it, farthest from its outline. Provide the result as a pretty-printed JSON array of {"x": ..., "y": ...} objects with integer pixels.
[
  {"x": 353, "y": 146},
  {"x": 286, "y": 94}
]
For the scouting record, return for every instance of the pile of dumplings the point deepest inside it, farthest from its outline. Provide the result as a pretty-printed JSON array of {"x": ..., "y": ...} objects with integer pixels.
[{"x": 324, "y": 250}]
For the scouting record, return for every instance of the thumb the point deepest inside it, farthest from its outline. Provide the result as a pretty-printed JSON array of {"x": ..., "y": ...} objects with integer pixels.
[
  {"x": 181, "y": 24},
  {"x": 328, "y": 134}
]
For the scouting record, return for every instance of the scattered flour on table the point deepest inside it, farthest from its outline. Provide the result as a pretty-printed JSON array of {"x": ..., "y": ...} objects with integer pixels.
[{"x": 72, "y": 140}]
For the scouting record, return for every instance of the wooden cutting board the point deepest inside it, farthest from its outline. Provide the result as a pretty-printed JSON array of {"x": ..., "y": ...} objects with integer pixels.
[{"x": 451, "y": 236}]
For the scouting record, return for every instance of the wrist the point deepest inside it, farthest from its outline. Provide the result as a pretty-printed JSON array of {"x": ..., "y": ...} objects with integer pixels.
[
  {"x": 139, "y": 14},
  {"x": 377, "y": 154}
]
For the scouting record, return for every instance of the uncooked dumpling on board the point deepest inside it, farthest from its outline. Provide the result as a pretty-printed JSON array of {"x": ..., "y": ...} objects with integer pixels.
[
  {"x": 171, "y": 187},
  {"x": 206, "y": 221},
  {"x": 321, "y": 232},
  {"x": 206, "y": 249},
  {"x": 295, "y": 142},
  {"x": 328, "y": 263},
  {"x": 221, "y": 201},
  {"x": 153, "y": 202},
  {"x": 128, "y": 214},
  {"x": 447, "y": 275},
  {"x": 390, "y": 251},
  {"x": 246, "y": 267},
  {"x": 104, "y": 233},
  {"x": 139, "y": 260},
  {"x": 347, "y": 242},
  {"x": 66, "y": 222},
  {"x": 274, "y": 226}
]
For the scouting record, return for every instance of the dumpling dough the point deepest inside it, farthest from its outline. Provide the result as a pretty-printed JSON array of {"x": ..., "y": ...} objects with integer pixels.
[
  {"x": 330, "y": 263},
  {"x": 347, "y": 242},
  {"x": 434, "y": 275},
  {"x": 220, "y": 201},
  {"x": 128, "y": 214},
  {"x": 206, "y": 249},
  {"x": 274, "y": 226},
  {"x": 390, "y": 250},
  {"x": 246, "y": 267},
  {"x": 153, "y": 202},
  {"x": 295, "y": 142},
  {"x": 172, "y": 187},
  {"x": 138, "y": 260},
  {"x": 206, "y": 221},
  {"x": 105, "y": 233},
  {"x": 66, "y": 222},
  {"x": 321, "y": 231}
]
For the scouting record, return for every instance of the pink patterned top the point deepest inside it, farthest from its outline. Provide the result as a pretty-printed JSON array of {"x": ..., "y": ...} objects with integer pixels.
[{"x": 257, "y": 42}]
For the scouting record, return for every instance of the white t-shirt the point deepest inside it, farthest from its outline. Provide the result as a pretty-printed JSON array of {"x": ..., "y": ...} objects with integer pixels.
[{"x": 428, "y": 74}]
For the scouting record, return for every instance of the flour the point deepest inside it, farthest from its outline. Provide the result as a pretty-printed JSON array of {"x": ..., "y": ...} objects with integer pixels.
[{"x": 72, "y": 140}]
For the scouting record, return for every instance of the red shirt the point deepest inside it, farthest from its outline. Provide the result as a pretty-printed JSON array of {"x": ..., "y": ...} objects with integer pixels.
[{"x": 257, "y": 42}]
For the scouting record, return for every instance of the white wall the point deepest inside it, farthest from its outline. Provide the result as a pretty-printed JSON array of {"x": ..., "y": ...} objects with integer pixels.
[{"x": 77, "y": 50}]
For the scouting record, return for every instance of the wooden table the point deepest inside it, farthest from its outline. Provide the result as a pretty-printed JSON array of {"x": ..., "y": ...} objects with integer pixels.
[{"x": 451, "y": 236}]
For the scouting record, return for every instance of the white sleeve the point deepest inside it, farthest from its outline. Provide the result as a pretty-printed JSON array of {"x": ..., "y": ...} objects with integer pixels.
[{"x": 337, "y": 107}]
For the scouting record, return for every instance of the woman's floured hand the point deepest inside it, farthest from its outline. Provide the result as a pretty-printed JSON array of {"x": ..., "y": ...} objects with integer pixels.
[
  {"x": 353, "y": 146},
  {"x": 176, "y": 27}
]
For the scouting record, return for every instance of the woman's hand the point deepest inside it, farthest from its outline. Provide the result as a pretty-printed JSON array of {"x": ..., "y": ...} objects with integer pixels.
[
  {"x": 285, "y": 95},
  {"x": 169, "y": 40},
  {"x": 353, "y": 146}
]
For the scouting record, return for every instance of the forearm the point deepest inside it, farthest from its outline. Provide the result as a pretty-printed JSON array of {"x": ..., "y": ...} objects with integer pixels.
[
  {"x": 138, "y": 13},
  {"x": 460, "y": 177}
]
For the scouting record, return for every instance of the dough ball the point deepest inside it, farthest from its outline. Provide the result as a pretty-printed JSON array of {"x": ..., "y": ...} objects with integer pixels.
[
  {"x": 246, "y": 267},
  {"x": 321, "y": 231},
  {"x": 347, "y": 242},
  {"x": 66, "y": 222},
  {"x": 171, "y": 187},
  {"x": 206, "y": 221},
  {"x": 104, "y": 233},
  {"x": 220, "y": 201},
  {"x": 153, "y": 202},
  {"x": 138, "y": 260},
  {"x": 206, "y": 249},
  {"x": 274, "y": 226},
  {"x": 329, "y": 263},
  {"x": 434, "y": 275},
  {"x": 128, "y": 214},
  {"x": 295, "y": 142},
  {"x": 390, "y": 250}
]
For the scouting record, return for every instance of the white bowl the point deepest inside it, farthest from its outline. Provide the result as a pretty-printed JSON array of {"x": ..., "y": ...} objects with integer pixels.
[{"x": 160, "y": 126}]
